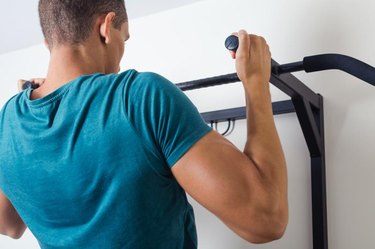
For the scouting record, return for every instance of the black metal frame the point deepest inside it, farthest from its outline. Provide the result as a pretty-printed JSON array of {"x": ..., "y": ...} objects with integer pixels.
[{"x": 309, "y": 109}]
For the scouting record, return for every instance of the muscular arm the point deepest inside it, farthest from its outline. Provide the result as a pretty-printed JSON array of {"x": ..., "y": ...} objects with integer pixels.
[
  {"x": 246, "y": 190},
  {"x": 10, "y": 222}
]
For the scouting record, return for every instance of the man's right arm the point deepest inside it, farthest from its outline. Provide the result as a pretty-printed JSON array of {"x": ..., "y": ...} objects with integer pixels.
[{"x": 246, "y": 190}]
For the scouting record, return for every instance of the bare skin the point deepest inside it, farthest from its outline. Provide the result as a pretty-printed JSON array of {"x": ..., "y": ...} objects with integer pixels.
[
  {"x": 11, "y": 223},
  {"x": 246, "y": 190}
]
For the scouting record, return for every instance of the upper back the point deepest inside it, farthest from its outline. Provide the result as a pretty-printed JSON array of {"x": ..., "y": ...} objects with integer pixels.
[{"x": 74, "y": 157}]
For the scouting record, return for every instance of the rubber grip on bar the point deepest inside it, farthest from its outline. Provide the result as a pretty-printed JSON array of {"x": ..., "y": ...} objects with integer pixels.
[
  {"x": 28, "y": 85},
  {"x": 232, "y": 43},
  {"x": 344, "y": 63}
]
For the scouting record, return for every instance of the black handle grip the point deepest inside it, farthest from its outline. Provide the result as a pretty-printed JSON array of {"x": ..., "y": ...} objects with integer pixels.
[
  {"x": 232, "y": 43},
  {"x": 344, "y": 63},
  {"x": 29, "y": 85}
]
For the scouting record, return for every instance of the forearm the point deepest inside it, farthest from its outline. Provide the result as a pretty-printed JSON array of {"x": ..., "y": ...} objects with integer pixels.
[{"x": 263, "y": 145}]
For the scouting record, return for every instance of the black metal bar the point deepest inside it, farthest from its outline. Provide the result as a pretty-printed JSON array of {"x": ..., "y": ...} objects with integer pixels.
[
  {"x": 233, "y": 78},
  {"x": 280, "y": 107},
  {"x": 312, "y": 124},
  {"x": 318, "y": 187},
  {"x": 308, "y": 124},
  {"x": 208, "y": 82},
  {"x": 293, "y": 87},
  {"x": 286, "y": 83},
  {"x": 288, "y": 68},
  {"x": 341, "y": 62},
  {"x": 319, "y": 203}
]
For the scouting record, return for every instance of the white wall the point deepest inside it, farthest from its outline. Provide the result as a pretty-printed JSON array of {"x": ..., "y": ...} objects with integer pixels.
[{"x": 187, "y": 43}]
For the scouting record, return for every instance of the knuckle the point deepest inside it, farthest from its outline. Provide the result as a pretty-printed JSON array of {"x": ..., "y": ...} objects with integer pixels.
[{"x": 253, "y": 37}]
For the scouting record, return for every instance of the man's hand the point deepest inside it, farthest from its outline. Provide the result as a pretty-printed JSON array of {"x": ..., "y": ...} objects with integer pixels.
[
  {"x": 36, "y": 81},
  {"x": 253, "y": 60}
]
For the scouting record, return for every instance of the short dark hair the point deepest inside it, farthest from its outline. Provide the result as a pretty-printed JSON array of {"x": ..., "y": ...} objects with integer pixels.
[{"x": 71, "y": 21}]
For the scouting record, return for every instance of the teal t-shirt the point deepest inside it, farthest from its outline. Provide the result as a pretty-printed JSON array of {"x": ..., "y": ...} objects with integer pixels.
[{"x": 88, "y": 166}]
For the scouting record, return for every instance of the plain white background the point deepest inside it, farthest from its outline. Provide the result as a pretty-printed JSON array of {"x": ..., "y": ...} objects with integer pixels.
[{"x": 187, "y": 43}]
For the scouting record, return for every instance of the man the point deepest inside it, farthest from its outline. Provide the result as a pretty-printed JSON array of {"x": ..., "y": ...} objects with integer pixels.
[{"x": 96, "y": 159}]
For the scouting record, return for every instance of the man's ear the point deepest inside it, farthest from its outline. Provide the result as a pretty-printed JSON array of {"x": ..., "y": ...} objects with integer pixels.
[{"x": 105, "y": 27}]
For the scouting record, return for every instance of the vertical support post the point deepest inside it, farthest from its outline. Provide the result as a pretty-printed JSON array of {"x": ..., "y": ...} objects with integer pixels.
[
  {"x": 319, "y": 206},
  {"x": 312, "y": 123},
  {"x": 318, "y": 186}
]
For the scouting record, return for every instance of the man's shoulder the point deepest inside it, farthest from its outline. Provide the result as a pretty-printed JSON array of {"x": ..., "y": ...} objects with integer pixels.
[
  {"x": 129, "y": 85},
  {"x": 131, "y": 78},
  {"x": 152, "y": 82},
  {"x": 144, "y": 78}
]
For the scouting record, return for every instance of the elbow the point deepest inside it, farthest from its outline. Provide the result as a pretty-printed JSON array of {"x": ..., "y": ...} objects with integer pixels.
[
  {"x": 271, "y": 229},
  {"x": 270, "y": 235},
  {"x": 14, "y": 233},
  {"x": 275, "y": 232}
]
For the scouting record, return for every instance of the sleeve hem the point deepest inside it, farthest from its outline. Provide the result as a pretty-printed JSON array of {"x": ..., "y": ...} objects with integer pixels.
[{"x": 185, "y": 147}]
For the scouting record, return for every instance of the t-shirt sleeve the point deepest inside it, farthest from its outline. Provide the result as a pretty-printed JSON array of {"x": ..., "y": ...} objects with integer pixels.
[{"x": 163, "y": 116}]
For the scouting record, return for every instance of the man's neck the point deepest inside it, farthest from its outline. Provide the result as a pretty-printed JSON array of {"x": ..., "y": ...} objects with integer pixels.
[{"x": 66, "y": 64}]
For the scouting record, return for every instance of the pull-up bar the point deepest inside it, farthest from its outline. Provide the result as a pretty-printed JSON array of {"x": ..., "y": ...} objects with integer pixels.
[
  {"x": 290, "y": 85},
  {"x": 309, "y": 64}
]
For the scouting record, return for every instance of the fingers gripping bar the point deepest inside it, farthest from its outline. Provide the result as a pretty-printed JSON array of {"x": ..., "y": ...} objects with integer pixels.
[{"x": 317, "y": 63}]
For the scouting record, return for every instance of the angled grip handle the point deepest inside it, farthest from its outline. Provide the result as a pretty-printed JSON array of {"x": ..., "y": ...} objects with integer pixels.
[{"x": 344, "y": 63}]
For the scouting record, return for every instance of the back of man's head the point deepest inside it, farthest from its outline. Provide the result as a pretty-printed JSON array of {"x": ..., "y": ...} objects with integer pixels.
[{"x": 70, "y": 22}]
